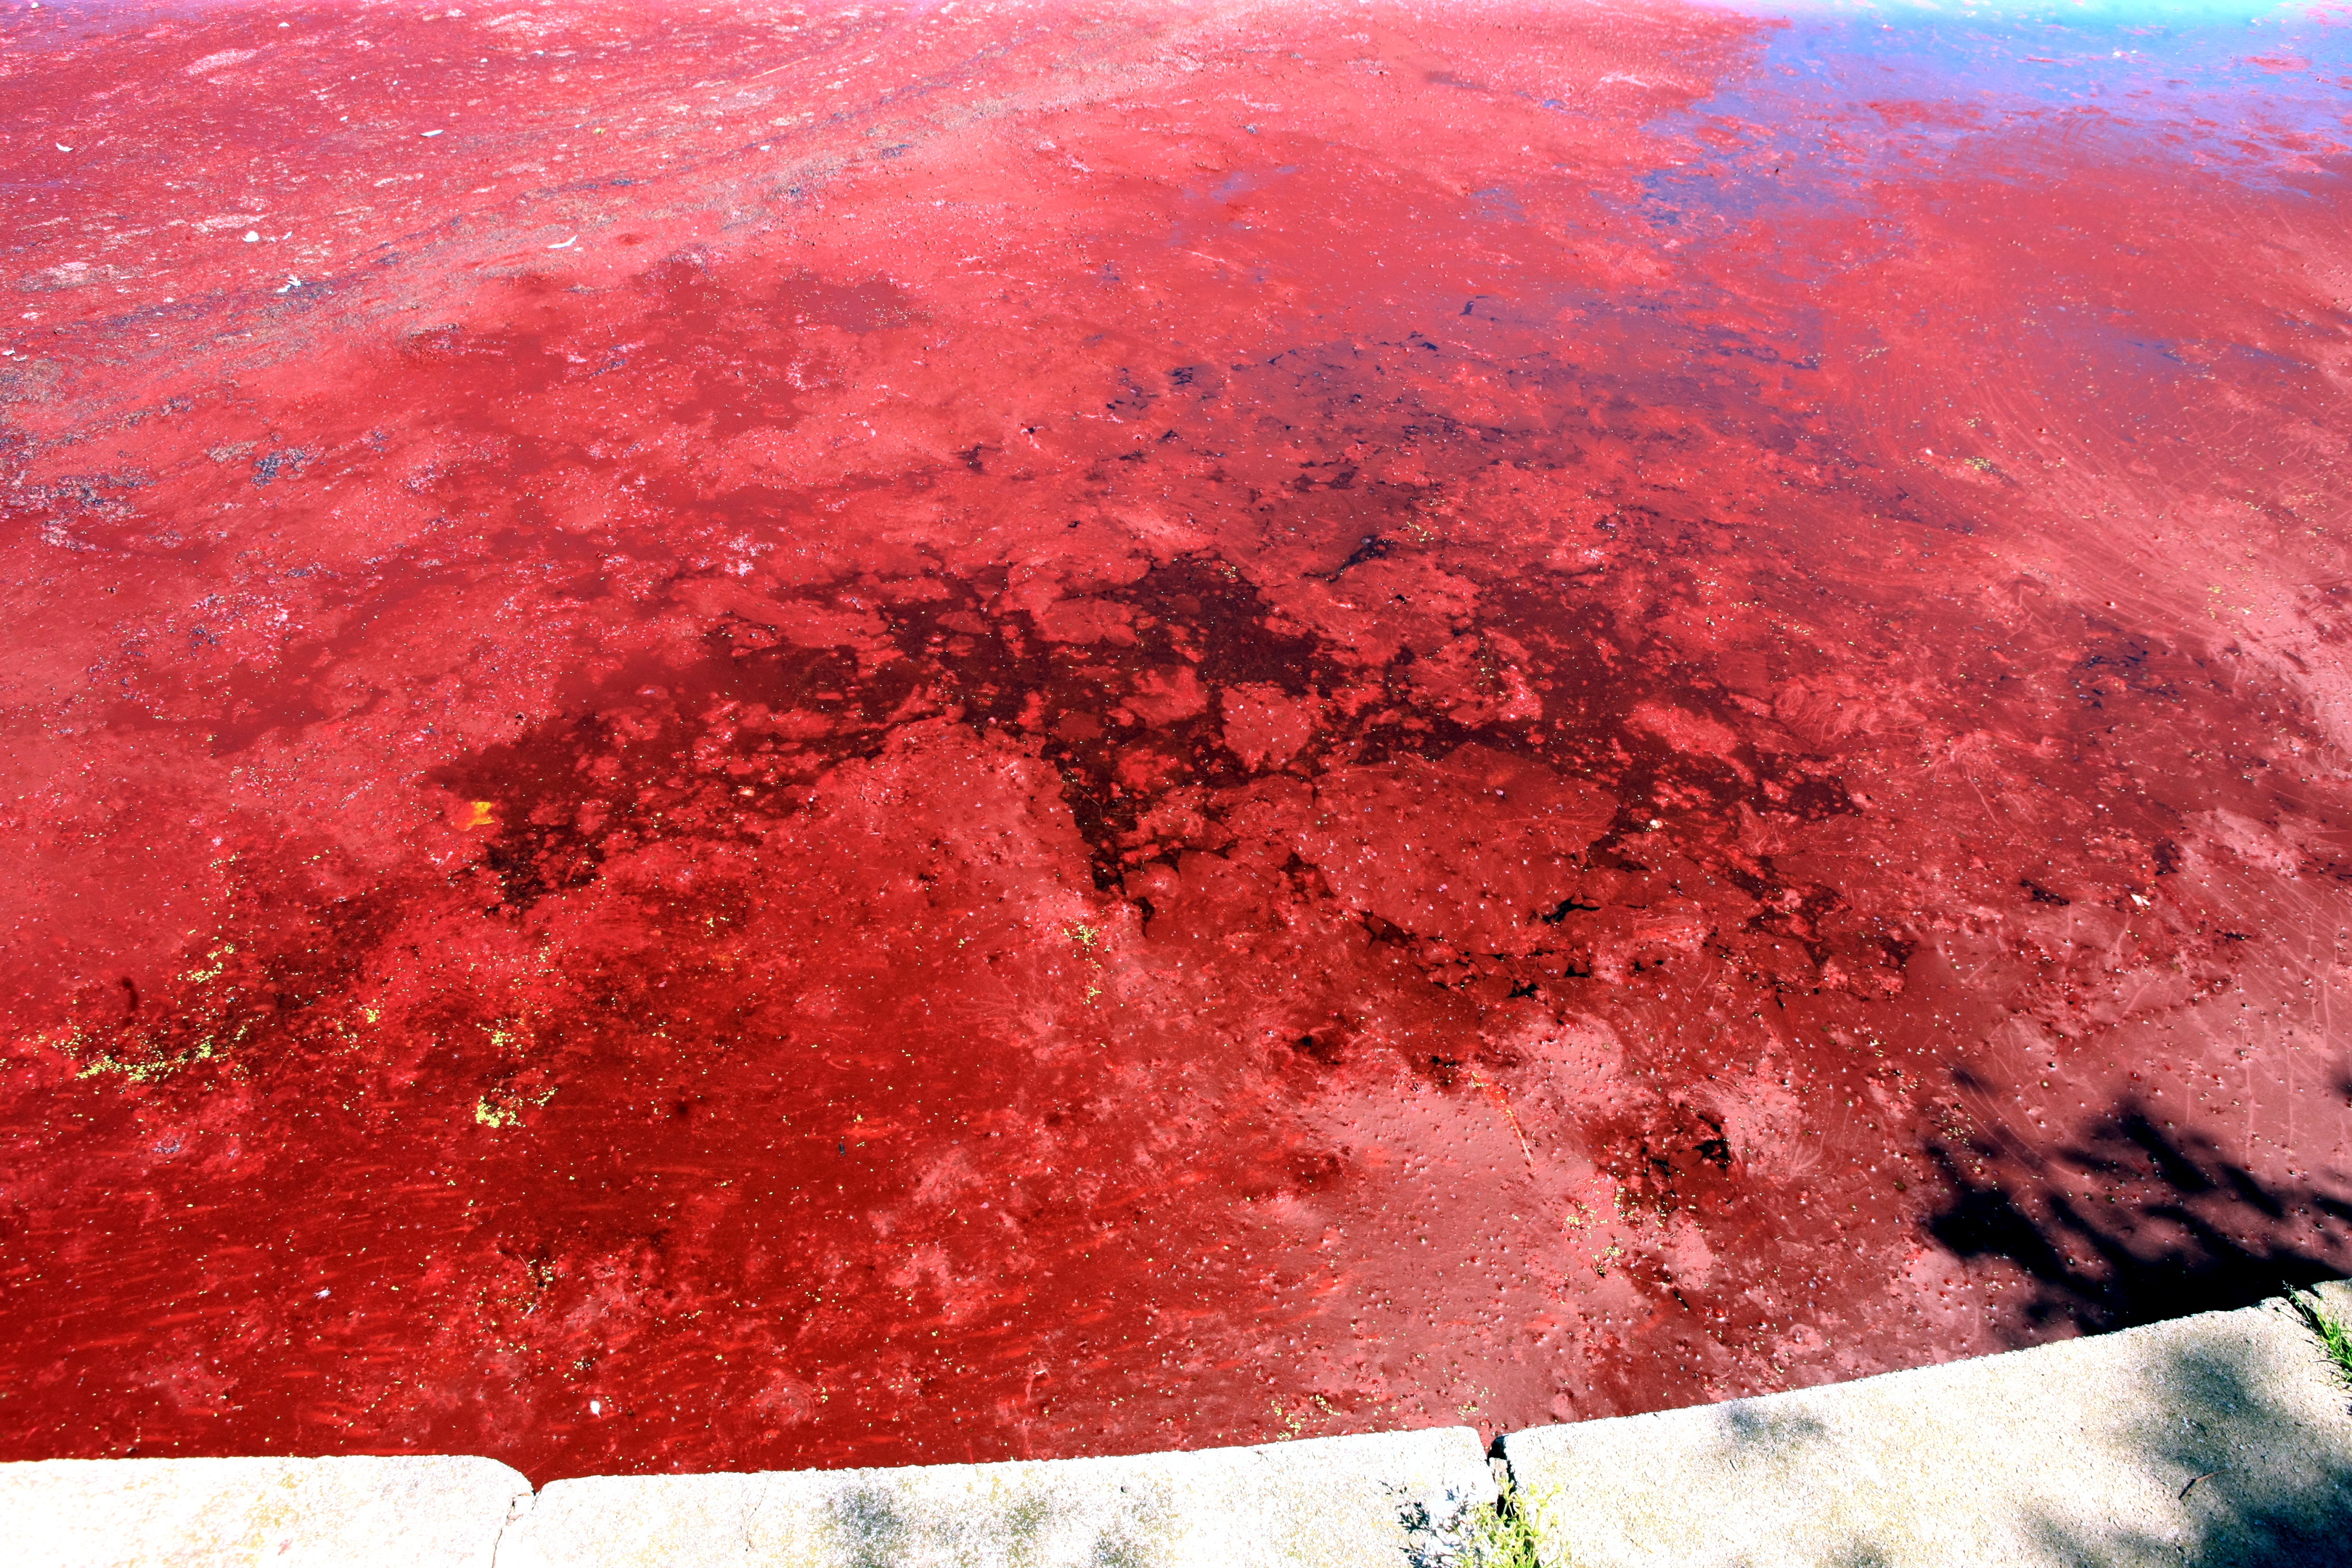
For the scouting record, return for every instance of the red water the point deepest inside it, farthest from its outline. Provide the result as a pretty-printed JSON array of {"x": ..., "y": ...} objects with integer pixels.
[{"x": 740, "y": 739}]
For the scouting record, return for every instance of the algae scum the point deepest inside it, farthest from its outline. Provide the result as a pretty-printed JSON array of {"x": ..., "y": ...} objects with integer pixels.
[{"x": 857, "y": 736}]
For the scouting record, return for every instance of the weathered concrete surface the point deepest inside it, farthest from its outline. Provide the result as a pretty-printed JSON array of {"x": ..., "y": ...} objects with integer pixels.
[
  {"x": 2216, "y": 1439},
  {"x": 1345, "y": 1502},
  {"x": 2222, "y": 1439},
  {"x": 436, "y": 1512}
]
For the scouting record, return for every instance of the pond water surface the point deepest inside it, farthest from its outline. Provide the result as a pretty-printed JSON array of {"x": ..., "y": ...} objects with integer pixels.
[{"x": 744, "y": 738}]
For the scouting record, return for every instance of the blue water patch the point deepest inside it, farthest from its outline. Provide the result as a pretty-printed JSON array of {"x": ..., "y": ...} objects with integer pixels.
[
  {"x": 2205, "y": 64},
  {"x": 1844, "y": 100}
]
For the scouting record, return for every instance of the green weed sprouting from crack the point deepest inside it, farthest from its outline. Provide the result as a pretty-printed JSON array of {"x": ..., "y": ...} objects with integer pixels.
[
  {"x": 1499, "y": 1535},
  {"x": 2334, "y": 1338}
]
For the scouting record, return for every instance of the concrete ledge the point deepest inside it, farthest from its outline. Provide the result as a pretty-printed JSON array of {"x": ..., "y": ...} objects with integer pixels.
[
  {"x": 434, "y": 1512},
  {"x": 1344, "y": 1502},
  {"x": 2224, "y": 1438}
]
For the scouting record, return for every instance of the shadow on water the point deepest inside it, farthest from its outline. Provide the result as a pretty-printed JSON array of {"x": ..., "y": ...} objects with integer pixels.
[
  {"x": 2135, "y": 1222},
  {"x": 2230, "y": 1448}
]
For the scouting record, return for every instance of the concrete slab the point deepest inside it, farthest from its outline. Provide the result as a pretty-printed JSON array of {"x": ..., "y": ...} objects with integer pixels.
[
  {"x": 437, "y": 1512},
  {"x": 1332, "y": 1502},
  {"x": 2216, "y": 1439}
]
